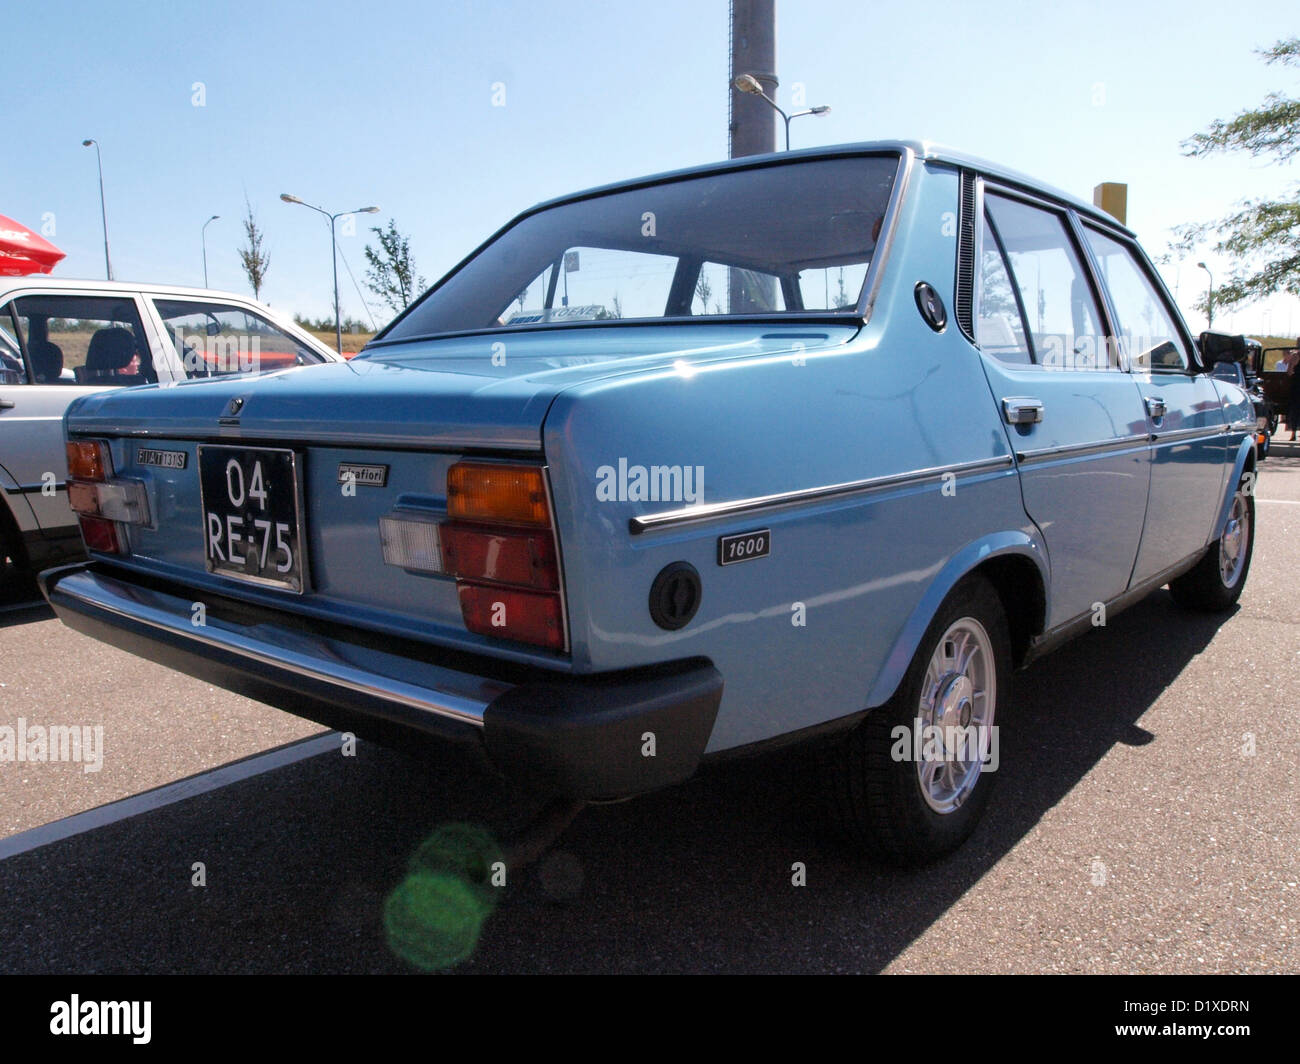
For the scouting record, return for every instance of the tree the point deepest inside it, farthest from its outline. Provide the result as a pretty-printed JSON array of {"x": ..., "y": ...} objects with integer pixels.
[
  {"x": 1262, "y": 236},
  {"x": 703, "y": 290},
  {"x": 392, "y": 274},
  {"x": 254, "y": 260}
]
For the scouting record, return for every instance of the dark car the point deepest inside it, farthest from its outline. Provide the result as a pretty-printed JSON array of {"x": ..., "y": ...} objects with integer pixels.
[{"x": 1244, "y": 371}]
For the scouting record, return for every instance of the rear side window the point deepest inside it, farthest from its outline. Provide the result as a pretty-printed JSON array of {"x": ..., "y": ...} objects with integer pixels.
[
  {"x": 1148, "y": 335},
  {"x": 91, "y": 340},
  {"x": 1000, "y": 325},
  {"x": 1052, "y": 288},
  {"x": 221, "y": 339}
]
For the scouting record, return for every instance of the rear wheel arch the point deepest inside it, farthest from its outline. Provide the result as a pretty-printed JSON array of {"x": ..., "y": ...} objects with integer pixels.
[
  {"x": 1247, "y": 462},
  {"x": 1014, "y": 563},
  {"x": 1020, "y": 586}
]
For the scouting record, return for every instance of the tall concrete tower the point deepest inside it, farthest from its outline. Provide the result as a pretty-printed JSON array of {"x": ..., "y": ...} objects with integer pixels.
[{"x": 752, "y": 124}]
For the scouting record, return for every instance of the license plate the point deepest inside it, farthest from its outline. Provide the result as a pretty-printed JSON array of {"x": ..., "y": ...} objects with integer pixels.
[{"x": 252, "y": 514}]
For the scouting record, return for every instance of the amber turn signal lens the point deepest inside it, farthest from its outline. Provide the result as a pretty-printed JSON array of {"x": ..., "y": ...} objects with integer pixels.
[
  {"x": 479, "y": 491},
  {"x": 88, "y": 460}
]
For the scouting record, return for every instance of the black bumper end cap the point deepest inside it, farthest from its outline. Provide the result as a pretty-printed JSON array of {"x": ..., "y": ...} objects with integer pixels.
[{"x": 606, "y": 737}]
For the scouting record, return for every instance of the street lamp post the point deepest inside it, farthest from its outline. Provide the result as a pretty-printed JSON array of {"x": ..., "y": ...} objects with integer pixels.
[
  {"x": 334, "y": 254},
  {"x": 750, "y": 84},
  {"x": 203, "y": 234},
  {"x": 1209, "y": 299},
  {"x": 103, "y": 211}
]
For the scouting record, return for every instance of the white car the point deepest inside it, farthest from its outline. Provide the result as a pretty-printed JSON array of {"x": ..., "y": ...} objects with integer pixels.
[{"x": 60, "y": 339}]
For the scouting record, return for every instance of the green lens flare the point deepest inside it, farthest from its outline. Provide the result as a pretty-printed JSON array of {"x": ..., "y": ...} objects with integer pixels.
[{"x": 433, "y": 918}]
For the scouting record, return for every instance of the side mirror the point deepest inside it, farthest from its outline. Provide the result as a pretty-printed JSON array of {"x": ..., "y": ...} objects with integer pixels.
[{"x": 1220, "y": 347}]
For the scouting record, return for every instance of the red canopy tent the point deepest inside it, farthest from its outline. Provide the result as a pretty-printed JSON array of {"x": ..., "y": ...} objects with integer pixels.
[{"x": 23, "y": 252}]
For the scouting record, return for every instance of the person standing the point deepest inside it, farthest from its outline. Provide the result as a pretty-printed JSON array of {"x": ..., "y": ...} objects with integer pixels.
[{"x": 1289, "y": 361}]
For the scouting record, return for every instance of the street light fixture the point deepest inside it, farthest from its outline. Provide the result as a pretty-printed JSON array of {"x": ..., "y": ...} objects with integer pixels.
[
  {"x": 203, "y": 233},
  {"x": 749, "y": 84},
  {"x": 1209, "y": 299},
  {"x": 334, "y": 254},
  {"x": 103, "y": 211}
]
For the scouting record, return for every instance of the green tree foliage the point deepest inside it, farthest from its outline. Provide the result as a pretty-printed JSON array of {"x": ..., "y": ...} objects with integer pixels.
[
  {"x": 251, "y": 256},
  {"x": 392, "y": 274},
  {"x": 1262, "y": 236}
]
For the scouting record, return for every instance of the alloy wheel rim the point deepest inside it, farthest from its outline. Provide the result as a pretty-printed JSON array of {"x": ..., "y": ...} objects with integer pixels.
[
  {"x": 954, "y": 715},
  {"x": 1232, "y": 544}
]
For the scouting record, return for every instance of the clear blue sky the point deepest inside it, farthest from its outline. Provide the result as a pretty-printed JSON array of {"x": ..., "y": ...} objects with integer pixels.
[{"x": 390, "y": 103}]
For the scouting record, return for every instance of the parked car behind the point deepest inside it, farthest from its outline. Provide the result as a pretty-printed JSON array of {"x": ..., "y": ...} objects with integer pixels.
[
  {"x": 1243, "y": 370},
  {"x": 1278, "y": 383},
  {"x": 810, "y": 446},
  {"x": 62, "y": 339}
]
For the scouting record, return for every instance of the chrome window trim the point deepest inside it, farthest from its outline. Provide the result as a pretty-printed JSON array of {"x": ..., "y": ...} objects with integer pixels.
[
  {"x": 709, "y": 512},
  {"x": 889, "y": 229}
]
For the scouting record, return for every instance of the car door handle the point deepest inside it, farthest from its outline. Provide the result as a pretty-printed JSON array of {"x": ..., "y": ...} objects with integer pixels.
[
  {"x": 1022, "y": 410},
  {"x": 6, "y": 404},
  {"x": 1156, "y": 407}
]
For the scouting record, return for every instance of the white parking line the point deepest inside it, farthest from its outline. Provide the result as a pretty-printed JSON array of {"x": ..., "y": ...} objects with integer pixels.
[
  {"x": 1280, "y": 502},
  {"x": 169, "y": 793}
]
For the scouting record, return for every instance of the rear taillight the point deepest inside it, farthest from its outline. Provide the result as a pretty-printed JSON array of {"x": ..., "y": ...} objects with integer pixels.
[
  {"x": 499, "y": 544},
  {"x": 481, "y": 491},
  {"x": 513, "y": 556},
  {"x": 508, "y": 614},
  {"x": 89, "y": 460},
  {"x": 103, "y": 503},
  {"x": 101, "y": 535}
]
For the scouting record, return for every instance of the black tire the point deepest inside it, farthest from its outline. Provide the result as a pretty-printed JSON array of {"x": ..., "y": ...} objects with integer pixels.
[
  {"x": 1209, "y": 587},
  {"x": 876, "y": 801}
]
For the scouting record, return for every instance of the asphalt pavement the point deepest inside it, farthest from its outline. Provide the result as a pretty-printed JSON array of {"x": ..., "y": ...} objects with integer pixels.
[{"x": 1144, "y": 820}]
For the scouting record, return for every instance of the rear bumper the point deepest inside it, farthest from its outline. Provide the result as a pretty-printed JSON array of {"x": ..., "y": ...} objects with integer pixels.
[{"x": 581, "y": 736}]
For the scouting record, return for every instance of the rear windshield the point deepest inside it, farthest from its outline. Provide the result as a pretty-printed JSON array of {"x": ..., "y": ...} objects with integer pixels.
[{"x": 787, "y": 239}]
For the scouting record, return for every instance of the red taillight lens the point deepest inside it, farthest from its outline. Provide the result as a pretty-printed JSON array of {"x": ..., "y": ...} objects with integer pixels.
[
  {"x": 503, "y": 613},
  {"x": 100, "y": 535},
  {"x": 501, "y": 555},
  {"x": 481, "y": 491},
  {"x": 88, "y": 460}
]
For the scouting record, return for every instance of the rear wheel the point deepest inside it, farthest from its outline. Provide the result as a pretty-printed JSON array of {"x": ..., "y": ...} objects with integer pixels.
[
  {"x": 16, "y": 581},
  {"x": 1217, "y": 580},
  {"x": 908, "y": 784}
]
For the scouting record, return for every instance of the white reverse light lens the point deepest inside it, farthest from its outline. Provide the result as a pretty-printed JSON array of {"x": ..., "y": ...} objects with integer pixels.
[
  {"x": 411, "y": 541},
  {"x": 114, "y": 500}
]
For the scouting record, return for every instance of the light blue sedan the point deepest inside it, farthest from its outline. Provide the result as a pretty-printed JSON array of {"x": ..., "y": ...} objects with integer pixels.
[{"x": 812, "y": 446}]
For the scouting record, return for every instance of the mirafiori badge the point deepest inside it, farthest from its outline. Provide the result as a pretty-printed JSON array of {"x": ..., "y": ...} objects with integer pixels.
[
  {"x": 367, "y": 476},
  {"x": 744, "y": 546}
]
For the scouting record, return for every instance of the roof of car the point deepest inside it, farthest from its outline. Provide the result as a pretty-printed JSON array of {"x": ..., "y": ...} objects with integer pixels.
[
  {"x": 41, "y": 282},
  {"x": 927, "y": 151},
  {"x": 99, "y": 285}
]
